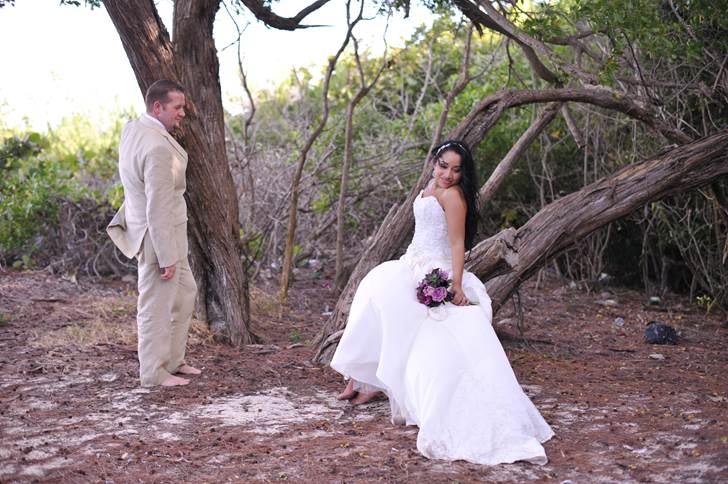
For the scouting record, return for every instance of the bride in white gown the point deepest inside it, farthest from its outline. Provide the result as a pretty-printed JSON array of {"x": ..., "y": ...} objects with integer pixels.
[{"x": 442, "y": 369}]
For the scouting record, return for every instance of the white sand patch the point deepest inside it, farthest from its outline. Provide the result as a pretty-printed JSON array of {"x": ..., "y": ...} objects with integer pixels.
[
  {"x": 7, "y": 470},
  {"x": 686, "y": 446},
  {"x": 109, "y": 377},
  {"x": 46, "y": 384},
  {"x": 40, "y": 470},
  {"x": 166, "y": 436},
  {"x": 267, "y": 412},
  {"x": 308, "y": 435},
  {"x": 38, "y": 454},
  {"x": 14, "y": 430},
  {"x": 38, "y": 404}
]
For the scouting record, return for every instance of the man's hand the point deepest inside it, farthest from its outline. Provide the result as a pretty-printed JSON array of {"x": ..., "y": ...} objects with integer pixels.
[{"x": 167, "y": 272}]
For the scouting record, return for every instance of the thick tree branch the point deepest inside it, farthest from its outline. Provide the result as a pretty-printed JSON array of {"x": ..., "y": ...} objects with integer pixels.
[
  {"x": 266, "y": 15},
  {"x": 571, "y": 218},
  {"x": 486, "y": 112}
]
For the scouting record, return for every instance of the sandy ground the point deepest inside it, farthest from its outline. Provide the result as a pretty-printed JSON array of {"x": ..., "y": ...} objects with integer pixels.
[{"x": 71, "y": 409}]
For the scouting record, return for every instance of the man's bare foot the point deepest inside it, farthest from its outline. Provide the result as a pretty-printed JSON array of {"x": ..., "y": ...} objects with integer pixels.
[
  {"x": 364, "y": 398},
  {"x": 174, "y": 381},
  {"x": 348, "y": 392},
  {"x": 186, "y": 369}
]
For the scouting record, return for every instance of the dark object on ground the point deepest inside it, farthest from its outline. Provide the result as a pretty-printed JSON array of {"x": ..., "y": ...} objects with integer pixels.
[{"x": 660, "y": 334}]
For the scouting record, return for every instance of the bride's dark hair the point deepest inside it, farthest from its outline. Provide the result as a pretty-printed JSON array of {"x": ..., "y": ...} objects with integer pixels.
[{"x": 468, "y": 183}]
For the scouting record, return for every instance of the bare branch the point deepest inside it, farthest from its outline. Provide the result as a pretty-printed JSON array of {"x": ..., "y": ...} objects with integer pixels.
[
  {"x": 295, "y": 184},
  {"x": 506, "y": 165}
]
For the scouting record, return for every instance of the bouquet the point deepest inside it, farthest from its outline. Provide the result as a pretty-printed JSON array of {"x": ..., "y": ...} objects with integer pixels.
[{"x": 433, "y": 289}]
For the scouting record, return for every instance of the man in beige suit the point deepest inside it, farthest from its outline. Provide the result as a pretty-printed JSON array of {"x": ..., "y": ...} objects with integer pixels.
[{"x": 151, "y": 225}]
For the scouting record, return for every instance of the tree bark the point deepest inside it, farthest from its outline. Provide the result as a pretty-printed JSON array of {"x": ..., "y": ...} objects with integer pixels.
[
  {"x": 214, "y": 228},
  {"x": 510, "y": 257}
]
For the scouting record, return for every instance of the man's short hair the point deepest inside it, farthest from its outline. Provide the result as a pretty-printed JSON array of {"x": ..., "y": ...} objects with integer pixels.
[{"x": 159, "y": 91}]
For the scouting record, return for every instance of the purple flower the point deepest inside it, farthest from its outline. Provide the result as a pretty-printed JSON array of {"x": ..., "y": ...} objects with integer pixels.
[
  {"x": 439, "y": 294},
  {"x": 432, "y": 290}
]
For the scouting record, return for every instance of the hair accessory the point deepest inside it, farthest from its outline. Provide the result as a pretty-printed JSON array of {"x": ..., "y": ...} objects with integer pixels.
[{"x": 449, "y": 144}]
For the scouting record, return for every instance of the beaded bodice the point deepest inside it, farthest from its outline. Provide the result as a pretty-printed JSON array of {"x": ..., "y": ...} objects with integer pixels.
[{"x": 430, "y": 246}]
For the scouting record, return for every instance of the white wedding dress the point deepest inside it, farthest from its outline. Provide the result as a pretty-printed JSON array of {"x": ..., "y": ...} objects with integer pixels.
[{"x": 443, "y": 370}]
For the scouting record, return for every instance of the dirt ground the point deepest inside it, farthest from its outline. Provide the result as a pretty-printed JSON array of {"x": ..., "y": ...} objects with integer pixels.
[{"x": 71, "y": 409}]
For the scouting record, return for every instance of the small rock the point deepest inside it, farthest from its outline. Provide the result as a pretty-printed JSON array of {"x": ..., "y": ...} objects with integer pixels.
[
  {"x": 657, "y": 356},
  {"x": 618, "y": 322},
  {"x": 608, "y": 302},
  {"x": 660, "y": 334},
  {"x": 654, "y": 301}
]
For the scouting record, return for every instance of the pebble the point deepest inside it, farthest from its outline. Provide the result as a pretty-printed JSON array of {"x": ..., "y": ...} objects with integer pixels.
[
  {"x": 608, "y": 302},
  {"x": 505, "y": 322},
  {"x": 657, "y": 356}
]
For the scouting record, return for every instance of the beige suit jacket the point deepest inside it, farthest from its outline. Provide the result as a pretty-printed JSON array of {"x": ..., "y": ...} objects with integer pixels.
[{"x": 152, "y": 168}]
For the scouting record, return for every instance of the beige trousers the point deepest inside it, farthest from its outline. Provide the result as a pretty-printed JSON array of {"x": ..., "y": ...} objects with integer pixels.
[{"x": 164, "y": 312}]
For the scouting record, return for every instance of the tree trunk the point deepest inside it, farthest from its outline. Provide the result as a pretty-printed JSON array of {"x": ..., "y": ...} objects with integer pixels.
[
  {"x": 571, "y": 218},
  {"x": 214, "y": 227}
]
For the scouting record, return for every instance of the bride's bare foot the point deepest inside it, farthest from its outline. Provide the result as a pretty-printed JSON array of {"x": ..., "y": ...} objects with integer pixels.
[
  {"x": 364, "y": 398},
  {"x": 186, "y": 369},
  {"x": 174, "y": 381},
  {"x": 348, "y": 392}
]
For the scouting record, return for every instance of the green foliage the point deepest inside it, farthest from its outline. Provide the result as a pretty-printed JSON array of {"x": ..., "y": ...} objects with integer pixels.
[
  {"x": 660, "y": 32},
  {"x": 38, "y": 171}
]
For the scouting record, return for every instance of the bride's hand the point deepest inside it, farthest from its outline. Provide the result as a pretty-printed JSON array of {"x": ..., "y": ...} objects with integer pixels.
[{"x": 458, "y": 297}]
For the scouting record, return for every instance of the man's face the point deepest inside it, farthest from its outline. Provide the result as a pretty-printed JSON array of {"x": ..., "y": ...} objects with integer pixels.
[{"x": 170, "y": 113}]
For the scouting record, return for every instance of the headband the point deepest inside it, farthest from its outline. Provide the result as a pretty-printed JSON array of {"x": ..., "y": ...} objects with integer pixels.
[{"x": 449, "y": 144}]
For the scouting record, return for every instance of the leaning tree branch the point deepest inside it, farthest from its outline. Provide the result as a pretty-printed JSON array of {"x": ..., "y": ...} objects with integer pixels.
[
  {"x": 483, "y": 115},
  {"x": 569, "y": 219},
  {"x": 505, "y": 167}
]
